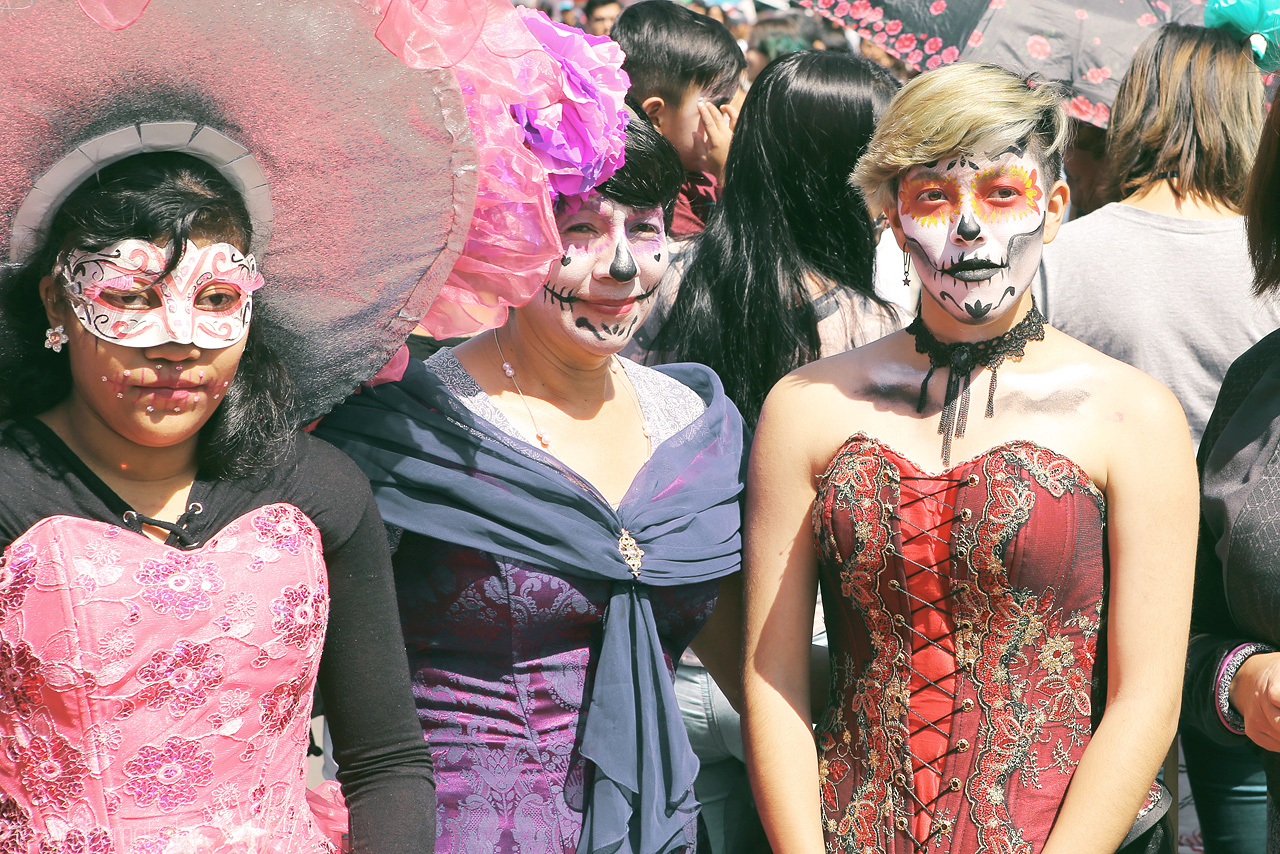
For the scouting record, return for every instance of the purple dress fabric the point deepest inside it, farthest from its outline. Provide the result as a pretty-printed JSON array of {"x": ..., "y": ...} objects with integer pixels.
[{"x": 500, "y": 654}]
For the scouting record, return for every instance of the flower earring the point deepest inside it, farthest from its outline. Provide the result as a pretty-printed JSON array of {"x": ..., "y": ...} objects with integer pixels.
[{"x": 56, "y": 337}]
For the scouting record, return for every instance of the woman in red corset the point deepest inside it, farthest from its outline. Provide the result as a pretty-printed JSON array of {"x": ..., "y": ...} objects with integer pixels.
[{"x": 1003, "y": 531}]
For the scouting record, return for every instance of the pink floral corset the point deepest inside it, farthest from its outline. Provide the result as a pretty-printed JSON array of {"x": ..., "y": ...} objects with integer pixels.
[{"x": 158, "y": 700}]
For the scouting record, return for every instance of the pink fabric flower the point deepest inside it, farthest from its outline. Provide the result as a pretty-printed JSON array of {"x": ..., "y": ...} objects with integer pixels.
[
  {"x": 933, "y": 45},
  {"x": 580, "y": 139},
  {"x": 52, "y": 770},
  {"x": 179, "y": 584},
  {"x": 893, "y": 27},
  {"x": 17, "y": 572},
  {"x": 875, "y": 14},
  {"x": 1081, "y": 14},
  {"x": 299, "y": 616},
  {"x": 934, "y": 62},
  {"x": 20, "y": 679},
  {"x": 859, "y": 9},
  {"x": 937, "y": 7},
  {"x": 1162, "y": 6},
  {"x": 1038, "y": 47},
  {"x": 996, "y": 4},
  {"x": 905, "y": 43},
  {"x": 1080, "y": 108},
  {"x": 168, "y": 776},
  {"x": 181, "y": 677},
  {"x": 284, "y": 527},
  {"x": 1097, "y": 75},
  {"x": 15, "y": 826},
  {"x": 950, "y": 53},
  {"x": 1147, "y": 19},
  {"x": 1101, "y": 115},
  {"x": 881, "y": 38},
  {"x": 975, "y": 38},
  {"x": 841, "y": 9},
  {"x": 915, "y": 57}
]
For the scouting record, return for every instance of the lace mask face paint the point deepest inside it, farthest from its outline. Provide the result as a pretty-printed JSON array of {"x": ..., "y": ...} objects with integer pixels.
[
  {"x": 206, "y": 300},
  {"x": 974, "y": 228}
]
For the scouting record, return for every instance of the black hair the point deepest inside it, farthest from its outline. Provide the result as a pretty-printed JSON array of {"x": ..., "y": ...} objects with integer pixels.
[
  {"x": 165, "y": 198},
  {"x": 592, "y": 5},
  {"x": 788, "y": 215},
  {"x": 670, "y": 48},
  {"x": 652, "y": 174}
]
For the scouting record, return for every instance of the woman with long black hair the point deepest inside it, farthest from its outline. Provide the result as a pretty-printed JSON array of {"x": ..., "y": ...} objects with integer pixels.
[{"x": 783, "y": 273}]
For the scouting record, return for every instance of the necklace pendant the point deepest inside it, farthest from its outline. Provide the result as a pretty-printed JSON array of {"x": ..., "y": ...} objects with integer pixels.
[
  {"x": 508, "y": 370},
  {"x": 631, "y": 552},
  {"x": 543, "y": 439}
]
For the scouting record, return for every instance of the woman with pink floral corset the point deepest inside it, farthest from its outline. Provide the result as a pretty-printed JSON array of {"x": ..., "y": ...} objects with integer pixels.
[{"x": 182, "y": 569}]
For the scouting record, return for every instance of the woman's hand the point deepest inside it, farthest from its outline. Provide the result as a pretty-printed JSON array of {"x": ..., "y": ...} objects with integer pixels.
[
  {"x": 1255, "y": 692},
  {"x": 718, "y": 124}
]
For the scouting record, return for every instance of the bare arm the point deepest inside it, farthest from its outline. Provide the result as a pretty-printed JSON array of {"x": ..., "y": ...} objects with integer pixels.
[
  {"x": 719, "y": 644},
  {"x": 781, "y": 580},
  {"x": 1152, "y": 505}
]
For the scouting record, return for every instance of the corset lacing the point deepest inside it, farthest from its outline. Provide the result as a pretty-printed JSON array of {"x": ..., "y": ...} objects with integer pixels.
[{"x": 925, "y": 512}]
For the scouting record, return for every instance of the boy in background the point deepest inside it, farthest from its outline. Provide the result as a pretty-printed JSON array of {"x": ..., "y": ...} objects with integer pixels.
[{"x": 685, "y": 71}]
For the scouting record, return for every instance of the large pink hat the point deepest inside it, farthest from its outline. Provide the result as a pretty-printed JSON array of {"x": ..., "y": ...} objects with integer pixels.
[{"x": 359, "y": 172}]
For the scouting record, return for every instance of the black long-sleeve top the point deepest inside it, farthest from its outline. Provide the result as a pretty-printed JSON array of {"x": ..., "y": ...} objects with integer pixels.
[{"x": 385, "y": 766}]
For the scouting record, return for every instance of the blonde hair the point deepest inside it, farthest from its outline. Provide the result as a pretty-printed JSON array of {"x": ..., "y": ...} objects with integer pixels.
[
  {"x": 1191, "y": 106},
  {"x": 969, "y": 106}
]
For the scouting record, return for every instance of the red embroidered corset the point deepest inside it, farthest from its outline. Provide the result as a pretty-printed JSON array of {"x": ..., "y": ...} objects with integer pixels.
[{"x": 963, "y": 612}]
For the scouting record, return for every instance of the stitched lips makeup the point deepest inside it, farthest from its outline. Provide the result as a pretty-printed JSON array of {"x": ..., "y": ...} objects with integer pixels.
[
  {"x": 119, "y": 295},
  {"x": 974, "y": 227}
]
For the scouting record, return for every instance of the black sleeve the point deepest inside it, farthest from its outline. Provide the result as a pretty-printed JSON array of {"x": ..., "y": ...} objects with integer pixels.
[
  {"x": 1213, "y": 633},
  {"x": 384, "y": 763}
]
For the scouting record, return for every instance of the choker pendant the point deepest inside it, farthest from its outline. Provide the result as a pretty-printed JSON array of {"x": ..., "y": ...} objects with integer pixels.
[{"x": 961, "y": 359}]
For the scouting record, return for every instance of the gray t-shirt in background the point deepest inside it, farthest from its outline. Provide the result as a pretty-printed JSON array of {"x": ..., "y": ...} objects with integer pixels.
[{"x": 1171, "y": 296}]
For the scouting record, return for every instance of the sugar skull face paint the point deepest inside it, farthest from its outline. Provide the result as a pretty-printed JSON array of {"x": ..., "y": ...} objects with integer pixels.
[
  {"x": 601, "y": 290},
  {"x": 975, "y": 229},
  {"x": 117, "y": 293}
]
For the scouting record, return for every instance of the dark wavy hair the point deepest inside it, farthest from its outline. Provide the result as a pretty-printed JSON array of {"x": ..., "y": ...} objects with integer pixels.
[
  {"x": 652, "y": 175},
  {"x": 670, "y": 48},
  {"x": 787, "y": 214},
  {"x": 1261, "y": 212},
  {"x": 165, "y": 198}
]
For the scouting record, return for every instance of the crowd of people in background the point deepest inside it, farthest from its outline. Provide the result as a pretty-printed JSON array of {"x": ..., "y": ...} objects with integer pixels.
[{"x": 791, "y": 451}]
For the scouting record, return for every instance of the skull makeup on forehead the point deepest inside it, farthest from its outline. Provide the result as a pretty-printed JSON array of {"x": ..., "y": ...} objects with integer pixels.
[
  {"x": 974, "y": 227},
  {"x": 118, "y": 295}
]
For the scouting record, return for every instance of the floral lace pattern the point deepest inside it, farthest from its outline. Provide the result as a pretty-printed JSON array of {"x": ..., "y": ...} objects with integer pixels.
[
  {"x": 501, "y": 655},
  {"x": 1025, "y": 578},
  {"x": 157, "y": 725}
]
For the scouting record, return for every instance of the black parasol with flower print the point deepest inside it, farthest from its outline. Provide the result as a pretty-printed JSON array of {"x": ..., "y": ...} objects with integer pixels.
[{"x": 1086, "y": 44}]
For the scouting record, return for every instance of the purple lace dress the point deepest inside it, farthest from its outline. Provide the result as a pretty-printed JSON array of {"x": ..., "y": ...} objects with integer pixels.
[{"x": 501, "y": 653}]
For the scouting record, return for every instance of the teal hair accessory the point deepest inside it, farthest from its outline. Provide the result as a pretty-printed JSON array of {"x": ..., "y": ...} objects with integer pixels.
[{"x": 1254, "y": 21}]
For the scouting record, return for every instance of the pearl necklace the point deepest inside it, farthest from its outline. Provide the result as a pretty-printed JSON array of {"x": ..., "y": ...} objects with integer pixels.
[{"x": 543, "y": 438}]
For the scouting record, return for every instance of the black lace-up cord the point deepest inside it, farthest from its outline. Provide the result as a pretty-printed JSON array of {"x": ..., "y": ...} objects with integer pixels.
[
  {"x": 919, "y": 723},
  {"x": 961, "y": 359},
  {"x": 133, "y": 520}
]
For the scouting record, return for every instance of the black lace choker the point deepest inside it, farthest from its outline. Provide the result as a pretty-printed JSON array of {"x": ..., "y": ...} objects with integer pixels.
[{"x": 960, "y": 359}]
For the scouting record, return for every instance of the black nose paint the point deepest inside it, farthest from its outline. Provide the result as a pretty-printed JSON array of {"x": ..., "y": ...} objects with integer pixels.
[
  {"x": 623, "y": 268},
  {"x": 968, "y": 227}
]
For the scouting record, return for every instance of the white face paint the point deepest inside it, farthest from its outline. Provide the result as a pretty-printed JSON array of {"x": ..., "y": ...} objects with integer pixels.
[
  {"x": 974, "y": 228},
  {"x": 601, "y": 290}
]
